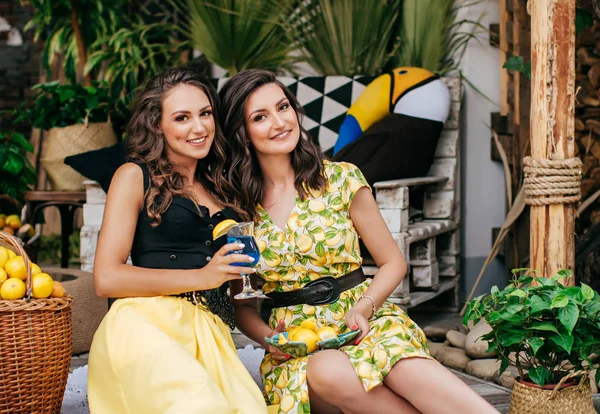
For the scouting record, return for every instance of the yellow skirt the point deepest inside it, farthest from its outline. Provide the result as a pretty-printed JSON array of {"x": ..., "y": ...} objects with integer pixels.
[{"x": 165, "y": 355}]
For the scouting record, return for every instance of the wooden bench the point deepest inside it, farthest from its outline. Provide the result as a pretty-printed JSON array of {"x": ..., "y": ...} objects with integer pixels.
[{"x": 431, "y": 245}]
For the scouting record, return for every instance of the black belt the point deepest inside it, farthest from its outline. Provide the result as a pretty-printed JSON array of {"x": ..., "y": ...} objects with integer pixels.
[{"x": 318, "y": 292}]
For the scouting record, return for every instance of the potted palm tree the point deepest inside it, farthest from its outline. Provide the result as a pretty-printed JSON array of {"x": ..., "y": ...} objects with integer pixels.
[{"x": 554, "y": 328}]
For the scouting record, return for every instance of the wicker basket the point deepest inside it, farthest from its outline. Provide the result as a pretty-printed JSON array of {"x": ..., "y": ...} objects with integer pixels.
[
  {"x": 71, "y": 140},
  {"x": 35, "y": 336},
  {"x": 576, "y": 399}
]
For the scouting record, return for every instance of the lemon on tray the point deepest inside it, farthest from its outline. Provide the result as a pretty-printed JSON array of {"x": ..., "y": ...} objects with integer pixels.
[
  {"x": 223, "y": 227},
  {"x": 302, "y": 340}
]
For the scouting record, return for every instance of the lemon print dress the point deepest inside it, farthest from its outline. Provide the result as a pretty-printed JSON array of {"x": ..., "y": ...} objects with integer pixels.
[
  {"x": 166, "y": 354},
  {"x": 320, "y": 240}
]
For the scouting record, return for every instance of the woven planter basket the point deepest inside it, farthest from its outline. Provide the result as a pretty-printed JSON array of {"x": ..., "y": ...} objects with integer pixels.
[
  {"x": 576, "y": 399},
  {"x": 71, "y": 140},
  {"x": 35, "y": 354}
]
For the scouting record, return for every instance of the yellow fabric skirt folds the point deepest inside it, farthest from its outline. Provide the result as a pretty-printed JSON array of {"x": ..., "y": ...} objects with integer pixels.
[{"x": 165, "y": 355}]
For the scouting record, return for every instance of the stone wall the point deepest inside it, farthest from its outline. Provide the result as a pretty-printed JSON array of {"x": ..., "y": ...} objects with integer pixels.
[{"x": 19, "y": 65}]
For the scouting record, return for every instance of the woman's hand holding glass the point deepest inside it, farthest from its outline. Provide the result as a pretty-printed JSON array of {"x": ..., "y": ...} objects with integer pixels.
[{"x": 224, "y": 265}]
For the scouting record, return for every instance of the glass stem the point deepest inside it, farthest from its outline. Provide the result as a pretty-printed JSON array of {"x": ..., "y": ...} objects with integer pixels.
[{"x": 247, "y": 284}]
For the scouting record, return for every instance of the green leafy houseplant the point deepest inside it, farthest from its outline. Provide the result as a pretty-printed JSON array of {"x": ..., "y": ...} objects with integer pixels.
[
  {"x": 433, "y": 37},
  {"x": 17, "y": 175},
  {"x": 553, "y": 327},
  {"x": 348, "y": 38},
  {"x": 61, "y": 105},
  {"x": 241, "y": 34}
]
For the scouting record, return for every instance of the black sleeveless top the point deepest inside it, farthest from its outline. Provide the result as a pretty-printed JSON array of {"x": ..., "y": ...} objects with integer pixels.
[{"x": 183, "y": 240}]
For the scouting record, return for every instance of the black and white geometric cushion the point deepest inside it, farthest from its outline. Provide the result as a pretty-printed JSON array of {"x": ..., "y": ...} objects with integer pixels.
[{"x": 325, "y": 100}]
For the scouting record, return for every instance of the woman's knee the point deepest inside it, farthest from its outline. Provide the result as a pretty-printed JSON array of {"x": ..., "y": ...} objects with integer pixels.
[{"x": 331, "y": 370}]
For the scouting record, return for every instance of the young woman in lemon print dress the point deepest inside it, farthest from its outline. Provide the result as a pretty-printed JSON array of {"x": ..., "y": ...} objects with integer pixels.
[
  {"x": 164, "y": 346},
  {"x": 309, "y": 213}
]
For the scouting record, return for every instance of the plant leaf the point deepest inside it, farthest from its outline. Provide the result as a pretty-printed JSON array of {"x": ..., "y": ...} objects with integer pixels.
[
  {"x": 536, "y": 343},
  {"x": 560, "y": 301},
  {"x": 568, "y": 316},
  {"x": 540, "y": 375},
  {"x": 587, "y": 292},
  {"x": 543, "y": 326},
  {"x": 563, "y": 341}
]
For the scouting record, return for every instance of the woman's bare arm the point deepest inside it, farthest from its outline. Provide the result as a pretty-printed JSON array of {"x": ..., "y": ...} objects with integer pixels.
[{"x": 114, "y": 278}]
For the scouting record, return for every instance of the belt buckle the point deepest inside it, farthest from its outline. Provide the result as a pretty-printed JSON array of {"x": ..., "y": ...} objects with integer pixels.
[{"x": 333, "y": 292}]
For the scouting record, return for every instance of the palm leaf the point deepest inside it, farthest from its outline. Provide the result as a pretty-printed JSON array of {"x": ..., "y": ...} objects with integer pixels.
[
  {"x": 239, "y": 34},
  {"x": 352, "y": 37},
  {"x": 432, "y": 37}
]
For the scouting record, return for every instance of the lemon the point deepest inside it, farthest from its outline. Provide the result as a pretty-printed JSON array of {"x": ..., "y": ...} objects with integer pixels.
[
  {"x": 282, "y": 340},
  {"x": 326, "y": 332},
  {"x": 58, "y": 291},
  {"x": 35, "y": 269},
  {"x": 304, "y": 243},
  {"x": 13, "y": 221},
  {"x": 364, "y": 370},
  {"x": 268, "y": 385},
  {"x": 15, "y": 267},
  {"x": 42, "y": 285},
  {"x": 313, "y": 275},
  {"x": 262, "y": 245},
  {"x": 310, "y": 323},
  {"x": 292, "y": 331},
  {"x": 4, "y": 256},
  {"x": 316, "y": 206},
  {"x": 307, "y": 336},
  {"x": 289, "y": 275},
  {"x": 3, "y": 276},
  {"x": 11, "y": 254},
  {"x": 12, "y": 289},
  {"x": 223, "y": 227},
  {"x": 287, "y": 403},
  {"x": 326, "y": 222},
  {"x": 265, "y": 367},
  {"x": 334, "y": 240},
  {"x": 282, "y": 381},
  {"x": 349, "y": 243},
  {"x": 273, "y": 261},
  {"x": 275, "y": 398},
  {"x": 319, "y": 234},
  {"x": 292, "y": 221},
  {"x": 308, "y": 309},
  {"x": 303, "y": 396}
]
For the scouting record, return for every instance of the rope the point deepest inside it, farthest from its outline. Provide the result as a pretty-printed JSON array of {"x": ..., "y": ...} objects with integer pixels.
[{"x": 552, "y": 181}]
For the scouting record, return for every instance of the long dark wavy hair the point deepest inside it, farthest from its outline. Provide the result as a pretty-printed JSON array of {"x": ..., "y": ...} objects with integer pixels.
[
  {"x": 146, "y": 144},
  {"x": 244, "y": 171}
]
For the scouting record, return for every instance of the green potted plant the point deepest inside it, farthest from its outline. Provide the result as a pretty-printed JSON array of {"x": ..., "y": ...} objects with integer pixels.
[
  {"x": 554, "y": 328},
  {"x": 17, "y": 175},
  {"x": 78, "y": 119}
]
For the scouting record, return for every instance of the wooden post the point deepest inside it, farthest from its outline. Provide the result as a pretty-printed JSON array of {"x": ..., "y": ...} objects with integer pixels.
[{"x": 552, "y": 126}]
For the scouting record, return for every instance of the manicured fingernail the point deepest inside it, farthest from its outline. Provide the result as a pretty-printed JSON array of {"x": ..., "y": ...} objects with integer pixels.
[
  {"x": 250, "y": 258},
  {"x": 357, "y": 342},
  {"x": 287, "y": 356},
  {"x": 241, "y": 245},
  {"x": 354, "y": 327}
]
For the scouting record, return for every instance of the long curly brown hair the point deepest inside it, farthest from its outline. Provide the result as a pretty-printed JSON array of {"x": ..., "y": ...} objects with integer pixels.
[
  {"x": 146, "y": 144},
  {"x": 244, "y": 171}
]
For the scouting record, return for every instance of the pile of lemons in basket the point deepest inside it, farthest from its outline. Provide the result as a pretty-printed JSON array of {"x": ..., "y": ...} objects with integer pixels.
[
  {"x": 310, "y": 334},
  {"x": 13, "y": 279}
]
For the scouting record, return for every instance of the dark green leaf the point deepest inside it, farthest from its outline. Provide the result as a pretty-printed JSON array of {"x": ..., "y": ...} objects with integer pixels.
[
  {"x": 66, "y": 94},
  {"x": 583, "y": 19},
  {"x": 538, "y": 304},
  {"x": 569, "y": 315},
  {"x": 14, "y": 164},
  {"x": 20, "y": 140},
  {"x": 543, "y": 326},
  {"x": 535, "y": 344},
  {"x": 540, "y": 375},
  {"x": 564, "y": 341}
]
